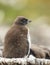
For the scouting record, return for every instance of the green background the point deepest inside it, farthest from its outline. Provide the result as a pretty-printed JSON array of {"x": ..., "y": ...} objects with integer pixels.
[{"x": 31, "y": 9}]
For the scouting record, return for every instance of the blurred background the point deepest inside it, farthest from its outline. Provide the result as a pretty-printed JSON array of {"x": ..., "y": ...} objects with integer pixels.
[{"x": 36, "y": 10}]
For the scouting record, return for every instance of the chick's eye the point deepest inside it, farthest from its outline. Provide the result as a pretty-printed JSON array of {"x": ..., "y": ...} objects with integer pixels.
[{"x": 24, "y": 20}]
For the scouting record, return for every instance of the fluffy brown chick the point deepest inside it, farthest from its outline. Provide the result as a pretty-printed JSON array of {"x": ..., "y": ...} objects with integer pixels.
[{"x": 16, "y": 43}]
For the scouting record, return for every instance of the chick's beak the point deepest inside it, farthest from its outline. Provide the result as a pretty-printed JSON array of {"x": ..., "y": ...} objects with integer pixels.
[{"x": 29, "y": 20}]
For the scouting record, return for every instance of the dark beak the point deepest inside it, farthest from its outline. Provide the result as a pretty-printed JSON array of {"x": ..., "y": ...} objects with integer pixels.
[{"x": 29, "y": 20}]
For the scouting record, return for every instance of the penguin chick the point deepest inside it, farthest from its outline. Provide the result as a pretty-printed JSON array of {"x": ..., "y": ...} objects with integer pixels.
[{"x": 16, "y": 43}]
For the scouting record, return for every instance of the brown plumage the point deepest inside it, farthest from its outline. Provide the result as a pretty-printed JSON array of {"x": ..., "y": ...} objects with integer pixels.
[
  {"x": 40, "y": 52},
  {"x": 16, "y": 44}
]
